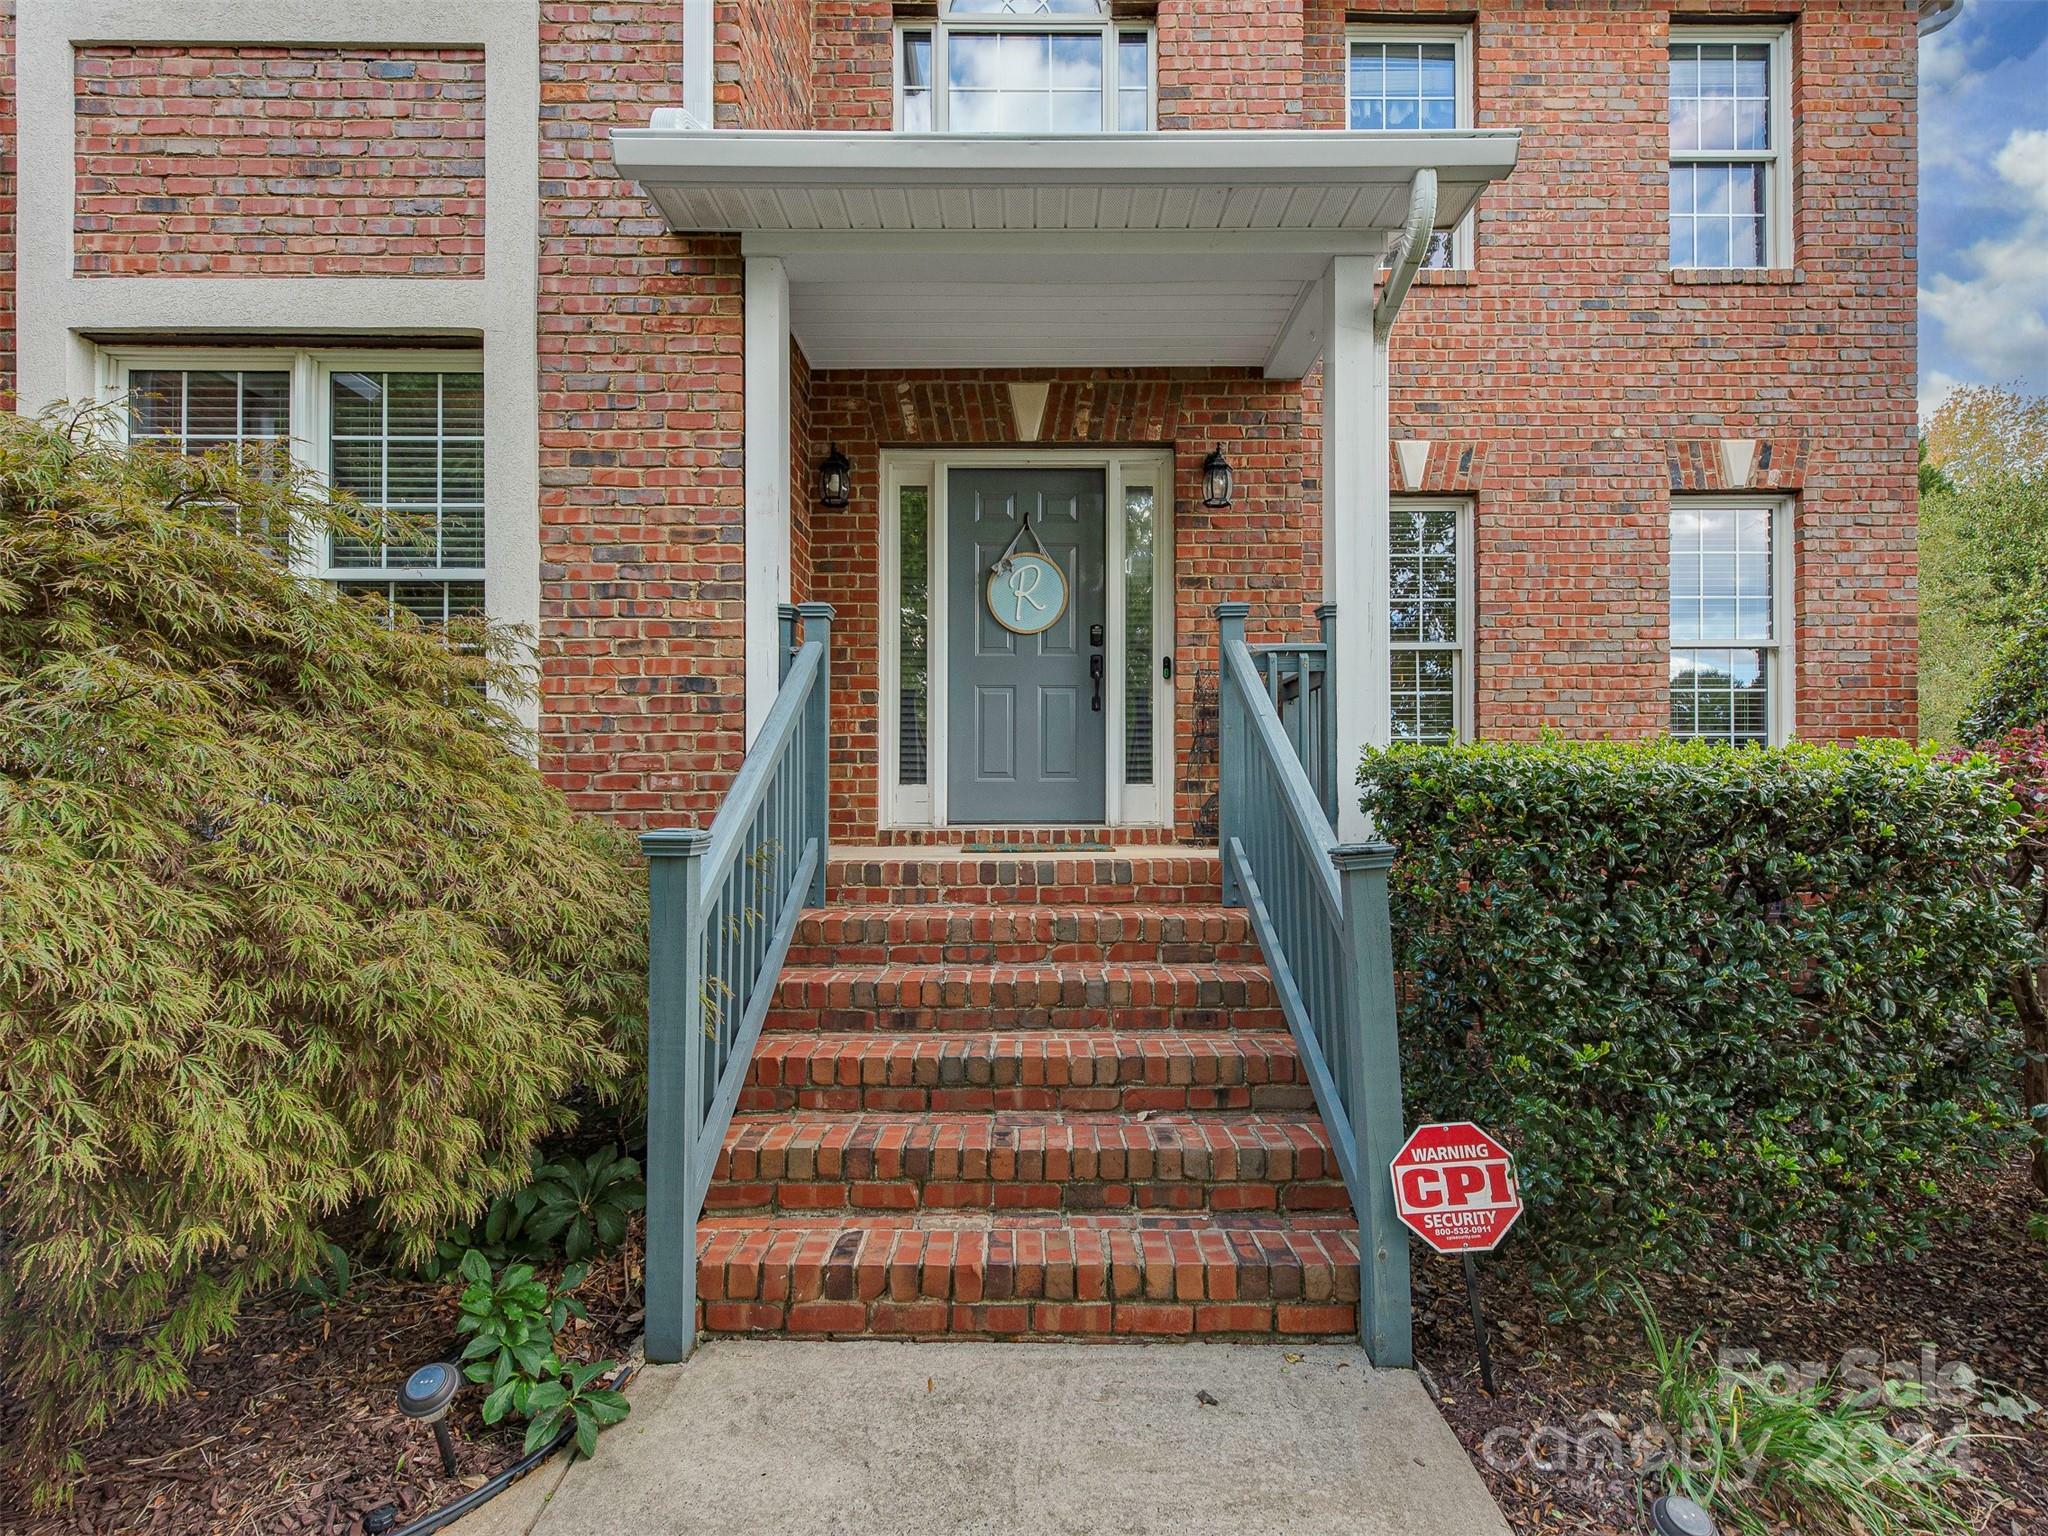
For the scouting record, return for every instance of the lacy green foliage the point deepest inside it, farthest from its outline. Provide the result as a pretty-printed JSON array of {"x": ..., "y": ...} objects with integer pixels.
[
  {"x": 291, "y": 924},
  {"x": 1721, "y": 1000},
  {"x": 2012, "y": 691}
]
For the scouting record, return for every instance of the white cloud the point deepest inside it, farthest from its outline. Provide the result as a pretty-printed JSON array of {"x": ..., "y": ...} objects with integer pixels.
[
  {"x": 1936, "y": 387},
  {"x": 1993, "y": 310},
  {"x": 2023, "y": 165},
  {"x": 1944, "y": 61}
]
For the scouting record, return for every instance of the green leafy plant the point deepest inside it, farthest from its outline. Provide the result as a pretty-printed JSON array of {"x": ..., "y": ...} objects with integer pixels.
[
  {"x": 328, "y": 1286},
  {"x": 574, "y": 1397},
  {"x": 573, "y": 1208},
  {"x": 585, "y": 1202},
  {"x": 1723, "y": 1001},
  {"x": 294, "y": 925},
  {"x": 1766, "y": 1457},
  {"x": 512, "y": 1318}
]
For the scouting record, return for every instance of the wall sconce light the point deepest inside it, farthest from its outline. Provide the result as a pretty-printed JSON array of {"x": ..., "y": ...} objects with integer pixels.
[
  {"x": 1216, "y": 479},
  {"x": 835, "y": 480}
]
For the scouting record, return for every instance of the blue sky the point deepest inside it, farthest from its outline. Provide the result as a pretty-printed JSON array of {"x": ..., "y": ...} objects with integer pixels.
[{"x": 1984, "y": 199}]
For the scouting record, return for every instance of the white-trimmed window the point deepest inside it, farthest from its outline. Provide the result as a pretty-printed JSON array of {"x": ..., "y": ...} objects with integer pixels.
[
  {"x": 1413, "y": 79},
  {"x": 401, "y": 431},
  {"x": 1024, "y": 66},
  {"x": 1429, "y": 587},
  {"x": 1731, "y": 620},
  {"x": 1730, "y": 178}
]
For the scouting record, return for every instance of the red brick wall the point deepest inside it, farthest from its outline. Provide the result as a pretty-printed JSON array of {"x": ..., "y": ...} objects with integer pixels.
[
  {"x": 763, "y": 75},
  {"x": 7, "y": 206},
  {"x": 272, "y": 161},
  {"x": 1589, "y": 382},
  {"x": 853, "y": 69},
  {"x": 1571, "y": 383},
  {"x": 1230, "y": 64},
  {"x": 804, "y": 458},
  {"x": 1266, "y": 547},
  {"x": 642, "y": 489}
]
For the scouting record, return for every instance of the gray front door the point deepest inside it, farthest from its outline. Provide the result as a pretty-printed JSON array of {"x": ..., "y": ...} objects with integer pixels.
[{"x": 1024, "y": 733}]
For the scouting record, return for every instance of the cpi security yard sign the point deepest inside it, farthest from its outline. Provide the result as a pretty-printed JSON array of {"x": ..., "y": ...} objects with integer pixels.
[{"x": 1454, "y": 1186}]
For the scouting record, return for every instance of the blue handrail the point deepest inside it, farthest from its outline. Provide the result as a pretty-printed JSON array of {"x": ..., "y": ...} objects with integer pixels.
[
  {"x": 1319, "y": 909},
  {"x": 723, "y": 905},
  {"x": 1297, "y": 679}
]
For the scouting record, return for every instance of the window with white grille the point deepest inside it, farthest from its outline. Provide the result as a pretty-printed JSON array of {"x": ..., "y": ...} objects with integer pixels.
[
  {"x": 1429, "y": 585},
  {"x": 1730, "y": 621}
]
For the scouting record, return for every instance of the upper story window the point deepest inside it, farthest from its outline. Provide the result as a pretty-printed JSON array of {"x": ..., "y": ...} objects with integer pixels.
[
  {"x": 1730, "y": 123},
  {"x": 1024, "y": 66},
  {"x": 1414, "y": 79}
]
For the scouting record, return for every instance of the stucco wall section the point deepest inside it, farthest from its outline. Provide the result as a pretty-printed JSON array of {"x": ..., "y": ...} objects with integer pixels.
[{"x": 278, "y": 161}]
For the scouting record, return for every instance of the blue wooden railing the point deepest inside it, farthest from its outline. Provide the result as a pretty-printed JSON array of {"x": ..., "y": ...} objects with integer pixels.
[
  {"x": 1319, "y": 909},
  {"x": 722, "y": 907},
  {"x": 1297, "y": 681}
]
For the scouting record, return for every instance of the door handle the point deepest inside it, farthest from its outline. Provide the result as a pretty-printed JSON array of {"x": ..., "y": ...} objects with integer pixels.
[{"x": 1095, "y": 675}]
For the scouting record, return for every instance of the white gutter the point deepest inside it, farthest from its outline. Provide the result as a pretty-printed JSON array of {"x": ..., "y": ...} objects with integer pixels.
[{"x": 1410, "y": 246}]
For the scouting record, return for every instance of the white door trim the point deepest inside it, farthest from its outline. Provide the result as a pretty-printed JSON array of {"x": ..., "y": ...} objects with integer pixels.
[{"x": 924, "y": 805}]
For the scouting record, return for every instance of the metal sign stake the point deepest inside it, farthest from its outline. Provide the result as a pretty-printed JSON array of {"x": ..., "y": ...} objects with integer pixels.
[{"x": 1479, "y": 1325}]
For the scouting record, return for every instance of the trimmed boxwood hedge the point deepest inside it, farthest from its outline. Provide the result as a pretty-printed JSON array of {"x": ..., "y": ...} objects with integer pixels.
[{"x": 1721, "y": 1000}]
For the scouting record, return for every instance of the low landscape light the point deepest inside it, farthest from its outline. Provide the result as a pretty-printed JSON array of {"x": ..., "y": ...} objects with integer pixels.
[
  {"x": 1675, "y": 1515},
  {"x": 426, "y": 1396},
  {"x": 1216, "y": 479},
  {"x": 835, "y": 480}
]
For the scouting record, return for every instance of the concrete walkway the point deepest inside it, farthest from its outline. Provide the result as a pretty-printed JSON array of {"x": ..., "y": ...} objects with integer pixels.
[{"x": 866, "y": 1437}]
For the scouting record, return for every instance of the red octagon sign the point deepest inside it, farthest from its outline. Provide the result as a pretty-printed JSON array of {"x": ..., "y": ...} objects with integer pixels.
[{"x": 1454, "y": 1186}]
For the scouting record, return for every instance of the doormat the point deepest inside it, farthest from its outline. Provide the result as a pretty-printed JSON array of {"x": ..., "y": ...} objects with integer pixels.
[{"x": 1050, "y": 850}]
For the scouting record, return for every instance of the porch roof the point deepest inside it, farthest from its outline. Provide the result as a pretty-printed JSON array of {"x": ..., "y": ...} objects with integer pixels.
[{"x": 1096, "y": 250}]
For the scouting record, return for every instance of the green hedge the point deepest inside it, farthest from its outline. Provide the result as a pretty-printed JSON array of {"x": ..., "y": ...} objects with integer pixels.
[{"x": 1719, "y": 999}]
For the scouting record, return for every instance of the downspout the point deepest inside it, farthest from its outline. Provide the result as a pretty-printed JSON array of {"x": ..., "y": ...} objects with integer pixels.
[
  {"x": 700, "y": 42},
  {"x": 1409, "y": 248}
]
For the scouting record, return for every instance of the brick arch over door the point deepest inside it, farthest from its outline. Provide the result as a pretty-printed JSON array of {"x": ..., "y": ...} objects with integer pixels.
[{"x": 1266, "y": 547}]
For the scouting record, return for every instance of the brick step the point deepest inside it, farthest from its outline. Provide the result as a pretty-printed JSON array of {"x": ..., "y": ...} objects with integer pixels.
[
  {"x": 1150, "y": 876},
  {"x": 985, "y": 840},
  {"x": 988, "y": 935},
  {"x": 1014, "y": 1276},
  {"x": 878, "y": 1162},
  {"x": 1053, "y": 995},
  {"x": 1076, "y": 1070}
]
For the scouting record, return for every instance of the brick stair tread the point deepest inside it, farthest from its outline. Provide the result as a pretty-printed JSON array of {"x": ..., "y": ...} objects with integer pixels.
[
  {"x": 1168, "y": 874},
  {"x": 1048, "y": 984},
  {"x": 807, "y": 1161},
  {"x": 977, "y": 933},
  {"x": 1132, "y": 1071},
  {"x": 1007, "y": 1275}
]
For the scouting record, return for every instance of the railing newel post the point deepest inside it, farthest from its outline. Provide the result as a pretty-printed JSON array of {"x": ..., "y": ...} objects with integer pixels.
[
  {"x": 817, "y": 619},
  {"x": 1372, "y": 1068},
  {"x": 785, "y": 629},
  {"x": 1325, "y": 768},
  {"x": 675, "y": 1083},
  {"x": 1230, "y": 743}
]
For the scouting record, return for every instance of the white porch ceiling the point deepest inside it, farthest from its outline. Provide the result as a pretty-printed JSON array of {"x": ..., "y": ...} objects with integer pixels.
[{"x": 1179, "y": 249}]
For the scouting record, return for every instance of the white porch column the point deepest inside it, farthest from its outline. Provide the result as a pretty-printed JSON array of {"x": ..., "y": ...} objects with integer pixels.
[
  {"x": 768, "y": 485},
  {"x": 1355, "y": 523}
]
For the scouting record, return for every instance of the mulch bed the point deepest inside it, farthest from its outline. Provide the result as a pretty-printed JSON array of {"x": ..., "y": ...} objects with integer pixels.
[
  {"x": 1569, "y": 1393},
  {"x": 293, "y": 1424}
]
